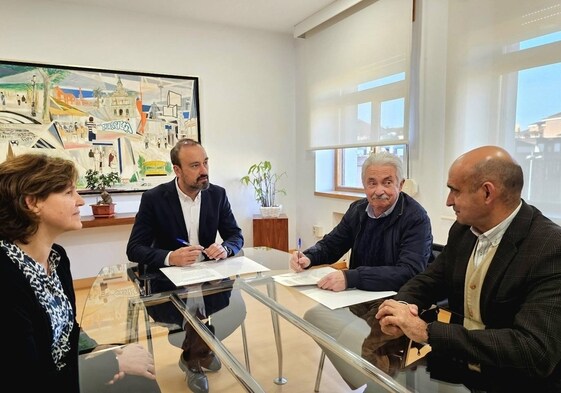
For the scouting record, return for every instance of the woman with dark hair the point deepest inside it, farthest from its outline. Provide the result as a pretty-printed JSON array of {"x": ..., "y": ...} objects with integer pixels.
[{"x": 39, "y": 202}]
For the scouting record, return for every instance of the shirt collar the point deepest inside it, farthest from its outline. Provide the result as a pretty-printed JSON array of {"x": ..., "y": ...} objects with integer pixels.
[
  {"x": 495, "y": 234},
  {"x": 370, "y": 210},
  {"x": 184, "y": 197}
]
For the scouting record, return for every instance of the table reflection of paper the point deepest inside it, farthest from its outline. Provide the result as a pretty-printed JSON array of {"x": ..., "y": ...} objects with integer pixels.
[
  {"x": 307, "y": 277},
  {"x": 360, "y": 389},
  {"x": 335, "y": 300},
  {"x": 211, "y": 270}
]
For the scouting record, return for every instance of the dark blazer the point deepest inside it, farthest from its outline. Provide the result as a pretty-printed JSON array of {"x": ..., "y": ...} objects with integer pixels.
[
  {"x": 27, "y": 333},
  {"x": 26, "y": 330},
  {"x": 159, "y": 222},
  {"x": 520, "y": 301}
]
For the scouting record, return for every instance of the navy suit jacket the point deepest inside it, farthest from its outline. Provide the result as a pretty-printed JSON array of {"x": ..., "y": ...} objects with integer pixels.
[
  {"x": 159, "y": 222},
  {"x": 520, "y": 301}
]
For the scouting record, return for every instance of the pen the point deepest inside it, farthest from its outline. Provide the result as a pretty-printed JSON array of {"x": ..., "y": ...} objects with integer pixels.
[
  {"x": 299, "y": 247},
  {"x": 182, "y": 241}
]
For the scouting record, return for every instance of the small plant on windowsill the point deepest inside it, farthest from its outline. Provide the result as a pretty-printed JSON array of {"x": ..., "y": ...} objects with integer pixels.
[
  {"x": 95, "y": 180},
  {"x": 264, "y": 182}
]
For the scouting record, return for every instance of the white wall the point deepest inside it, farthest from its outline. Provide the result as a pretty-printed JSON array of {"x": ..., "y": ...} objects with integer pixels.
[
  {"x": 246, "y": 92},
  {"x": 248, "y": 108}
]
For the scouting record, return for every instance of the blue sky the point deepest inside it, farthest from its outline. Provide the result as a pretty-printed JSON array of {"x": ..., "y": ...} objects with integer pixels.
[{"x": 539, "y": 88}]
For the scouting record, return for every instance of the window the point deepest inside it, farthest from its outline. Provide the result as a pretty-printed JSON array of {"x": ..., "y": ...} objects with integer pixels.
[
  {"x": 493, "y": 71},
  {"x": 484, "y": 72},
  {"x": 355, "y": 83},
  {"x": 538, "y": 135},
  {"x": 348, "y": 164}
]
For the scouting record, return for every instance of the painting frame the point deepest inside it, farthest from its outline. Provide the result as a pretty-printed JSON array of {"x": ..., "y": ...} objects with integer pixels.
[{"x": 102, "y": 119}]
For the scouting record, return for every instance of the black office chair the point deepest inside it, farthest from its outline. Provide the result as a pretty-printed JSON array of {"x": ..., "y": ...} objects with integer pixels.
[
  {"x": 437, "y": 249},
  {"x": 224, "y": 321}
]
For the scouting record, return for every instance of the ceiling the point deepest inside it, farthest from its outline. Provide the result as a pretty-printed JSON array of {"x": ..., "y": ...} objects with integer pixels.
[{"x": 278, "y": 16}]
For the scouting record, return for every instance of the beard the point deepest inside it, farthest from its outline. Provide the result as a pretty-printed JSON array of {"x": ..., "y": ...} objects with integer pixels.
[{"x": 202, "y": 183}]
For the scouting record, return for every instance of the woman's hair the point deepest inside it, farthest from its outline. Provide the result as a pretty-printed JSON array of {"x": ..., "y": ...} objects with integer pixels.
[
  {"x": 384, "y": 158},
  {"x": 35, "y": 175}
]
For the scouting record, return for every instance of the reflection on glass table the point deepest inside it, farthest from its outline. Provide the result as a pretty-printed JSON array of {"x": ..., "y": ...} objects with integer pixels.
[{"x": 271, "y": 356}]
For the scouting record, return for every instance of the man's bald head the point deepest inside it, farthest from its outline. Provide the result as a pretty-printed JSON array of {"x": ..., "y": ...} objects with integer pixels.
[{"x": 493, "y": 164}]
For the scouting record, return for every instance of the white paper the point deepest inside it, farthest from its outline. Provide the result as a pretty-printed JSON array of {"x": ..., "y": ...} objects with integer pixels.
[
  {"x": 360, "y": 389},
  {"x": 335, "y": 300},
  {"x": 211, "y": 270},
  {"x": 307, "y": 277}
]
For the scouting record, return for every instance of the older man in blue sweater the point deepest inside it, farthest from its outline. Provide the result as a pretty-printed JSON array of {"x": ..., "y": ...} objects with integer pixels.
[{"x": 389, "y": 235}]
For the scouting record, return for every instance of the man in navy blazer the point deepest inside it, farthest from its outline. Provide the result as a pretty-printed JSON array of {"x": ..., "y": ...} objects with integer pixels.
[
  {"x": 501, "y": 273},
  {"x": 177, "y": 225}
]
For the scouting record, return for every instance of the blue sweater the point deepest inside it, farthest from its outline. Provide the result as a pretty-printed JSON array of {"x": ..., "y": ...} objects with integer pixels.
[{"x": 403, "y": 239}]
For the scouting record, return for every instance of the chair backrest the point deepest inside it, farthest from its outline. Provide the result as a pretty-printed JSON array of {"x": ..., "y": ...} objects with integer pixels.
[{"x": 436, "y": 249}]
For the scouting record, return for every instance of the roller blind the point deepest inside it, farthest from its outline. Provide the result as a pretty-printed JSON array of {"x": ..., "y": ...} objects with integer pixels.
[{"x": 355, "y": 76}]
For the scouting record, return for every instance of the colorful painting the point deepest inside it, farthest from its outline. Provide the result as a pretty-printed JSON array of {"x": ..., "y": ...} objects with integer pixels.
[{"x": 104, "y": 120}]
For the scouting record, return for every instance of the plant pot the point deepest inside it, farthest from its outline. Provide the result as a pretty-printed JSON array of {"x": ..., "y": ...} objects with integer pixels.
[
  {"x": 271, "y": 212},
  {"x": 103, "y": 210}
]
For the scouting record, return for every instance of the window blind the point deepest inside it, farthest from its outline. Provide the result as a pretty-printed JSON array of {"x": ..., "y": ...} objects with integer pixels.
[{"x": 355, "y": 74}]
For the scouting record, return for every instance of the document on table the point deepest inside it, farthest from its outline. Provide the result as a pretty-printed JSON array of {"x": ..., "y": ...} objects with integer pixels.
[
  {"x": 307, "y": 277},
  {"x": 211, "y": 270},
  {"x": 334, "y": 300}
]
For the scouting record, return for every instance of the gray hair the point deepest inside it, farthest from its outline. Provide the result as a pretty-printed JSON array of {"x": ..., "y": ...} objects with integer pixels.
[{"x": 384, "y": 158}]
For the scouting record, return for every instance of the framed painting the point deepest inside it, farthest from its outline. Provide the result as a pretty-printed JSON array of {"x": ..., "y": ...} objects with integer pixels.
[{"x": 104, "y": 120}]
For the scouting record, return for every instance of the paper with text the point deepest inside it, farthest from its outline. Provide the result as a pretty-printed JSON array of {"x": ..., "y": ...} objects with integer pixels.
[
  {"x": 307, "y": 277},
  {"x": 334, "y": 300},
  {"x": 212, "y": 270}
]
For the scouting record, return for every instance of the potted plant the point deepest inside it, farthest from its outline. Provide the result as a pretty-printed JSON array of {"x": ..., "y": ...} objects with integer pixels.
[
  {"x": 95, "y": 180},
  {"x": 264, "y": 182}
]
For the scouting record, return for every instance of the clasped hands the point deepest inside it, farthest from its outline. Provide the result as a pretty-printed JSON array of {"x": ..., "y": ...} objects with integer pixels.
[
  {"x": 399, "y": 318},
  {"x": 334, "y": 281},
  {"x": 188, "y": 255}
]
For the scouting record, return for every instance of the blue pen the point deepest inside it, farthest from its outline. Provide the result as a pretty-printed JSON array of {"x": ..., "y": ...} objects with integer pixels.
[
  {"x": 182, "y": 241},
  {"x": 299, "y": 247}
]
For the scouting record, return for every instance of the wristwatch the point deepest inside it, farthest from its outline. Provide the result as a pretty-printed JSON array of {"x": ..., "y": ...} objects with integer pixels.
[{"x": 229, "y": 251}]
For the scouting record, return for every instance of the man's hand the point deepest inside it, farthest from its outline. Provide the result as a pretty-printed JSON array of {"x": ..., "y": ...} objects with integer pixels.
[
  {"x": 216, "y": 251},
  {"x": 397, "y": 318},
  {"x": 334, "y": 281},
  {"x": 185, "y": 256},
  {"x": 299, "y": 262}
]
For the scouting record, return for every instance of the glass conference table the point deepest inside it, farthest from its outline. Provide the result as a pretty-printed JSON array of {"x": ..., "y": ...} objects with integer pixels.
[{"x": 258, "y": 332}]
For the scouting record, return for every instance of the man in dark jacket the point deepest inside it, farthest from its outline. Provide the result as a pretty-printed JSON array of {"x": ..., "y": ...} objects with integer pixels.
[
  {"x": 389, "y": 235},
  {"x": 177, "y": 224},
  {"x": 501, "y": 271}
]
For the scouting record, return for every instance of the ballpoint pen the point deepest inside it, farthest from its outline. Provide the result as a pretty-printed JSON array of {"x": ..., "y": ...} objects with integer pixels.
[
  {"x": 299, "y": 247},
  {"x": 182, "y": 241}
]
